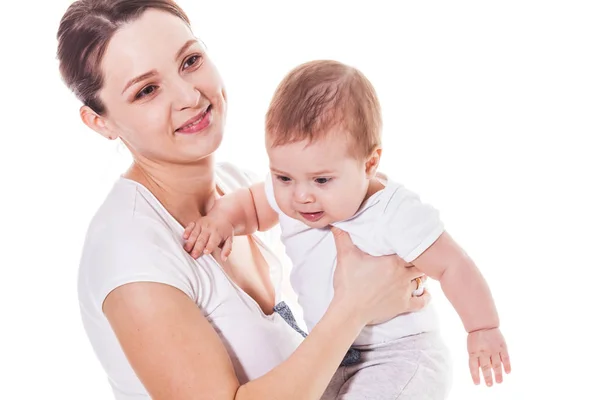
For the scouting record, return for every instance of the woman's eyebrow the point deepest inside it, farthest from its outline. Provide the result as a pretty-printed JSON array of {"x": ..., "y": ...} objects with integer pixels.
[
  {"x": 185, "y": 47},
  {"x": 140, "y": 78}
]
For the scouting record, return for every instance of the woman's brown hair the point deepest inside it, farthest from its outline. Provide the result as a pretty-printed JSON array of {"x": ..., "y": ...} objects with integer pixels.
[{"x": 85, "y": 30}]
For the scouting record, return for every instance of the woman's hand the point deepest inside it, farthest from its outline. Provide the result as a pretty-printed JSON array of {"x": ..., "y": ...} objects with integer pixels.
[
  {"x": 176, "y": 353},
  {"x": 378, "y": 288}
]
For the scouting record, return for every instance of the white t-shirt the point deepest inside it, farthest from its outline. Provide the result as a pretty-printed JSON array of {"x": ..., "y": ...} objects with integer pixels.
[
  {"x": 392, "y": 221},
  {"x": 132, "y": 238}
]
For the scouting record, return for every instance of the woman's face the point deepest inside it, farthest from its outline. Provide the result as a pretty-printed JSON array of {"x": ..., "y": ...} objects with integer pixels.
[{"x": 164, "y": 97}]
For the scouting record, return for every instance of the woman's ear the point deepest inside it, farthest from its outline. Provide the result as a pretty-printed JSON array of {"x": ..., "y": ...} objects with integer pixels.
[
  {"x": 373, "y": 163},
  {"x": 97, "y": 122}
]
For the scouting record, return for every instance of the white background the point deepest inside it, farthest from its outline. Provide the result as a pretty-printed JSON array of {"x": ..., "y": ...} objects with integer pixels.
[{"x": 491, "y": 113}]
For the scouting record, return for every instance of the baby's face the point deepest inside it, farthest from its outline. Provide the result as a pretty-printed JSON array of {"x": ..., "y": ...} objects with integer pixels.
[{"x": 318, "y": 183}]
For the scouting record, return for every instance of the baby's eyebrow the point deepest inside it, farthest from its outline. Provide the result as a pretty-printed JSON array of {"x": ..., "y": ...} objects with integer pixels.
[
  {"x": 315, "y": 173},
  {"x": 276, "y": 171},
  {"x": 324, "y": 172}
]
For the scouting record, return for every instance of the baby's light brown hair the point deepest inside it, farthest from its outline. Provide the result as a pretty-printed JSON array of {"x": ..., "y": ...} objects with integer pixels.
[{"x": 322, "y": 95}]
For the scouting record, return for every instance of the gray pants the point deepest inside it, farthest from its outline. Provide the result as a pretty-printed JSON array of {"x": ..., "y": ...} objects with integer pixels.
[{"x": 413, "y": 367}]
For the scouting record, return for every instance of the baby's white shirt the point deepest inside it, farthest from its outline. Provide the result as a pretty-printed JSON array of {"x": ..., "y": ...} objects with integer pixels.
[{"x": 391, "y": 221}]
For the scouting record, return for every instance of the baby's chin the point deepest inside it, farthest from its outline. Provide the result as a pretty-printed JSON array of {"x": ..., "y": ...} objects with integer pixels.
[
  {"x": 319, "y": 225},
  {"x": 324, "y": 222}
]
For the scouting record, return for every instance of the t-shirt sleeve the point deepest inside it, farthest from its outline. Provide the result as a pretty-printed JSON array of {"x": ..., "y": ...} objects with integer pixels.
[
  {"x": 136, "y": 251},
  {"x": 409, "y": 225},
  {"x": 233, "y": 177},
  {"x": 269, "y": 191}
]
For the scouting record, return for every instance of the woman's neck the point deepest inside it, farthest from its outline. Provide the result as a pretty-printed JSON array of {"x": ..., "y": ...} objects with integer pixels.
[{"x": 186, "y": 191}]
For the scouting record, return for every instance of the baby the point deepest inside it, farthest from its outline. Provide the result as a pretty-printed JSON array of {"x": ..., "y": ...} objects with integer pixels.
[{"x": 323, "y": 138}]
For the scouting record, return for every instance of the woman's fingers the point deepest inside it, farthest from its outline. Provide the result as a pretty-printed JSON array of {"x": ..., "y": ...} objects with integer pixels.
[
  {"x": 343, "y": 242},
  {"x": 418, "y": 303}
]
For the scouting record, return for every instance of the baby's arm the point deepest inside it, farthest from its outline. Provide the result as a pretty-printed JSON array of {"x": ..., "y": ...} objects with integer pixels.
[
  {"x": 266, "y": 216},
  {"x": 415, "y": 232},
  {"x": 464, "y": 286},
  {"x": 241, "y": 212},
  {"x": 461, "y": 281},
  {"x": 247, "y": 209}
]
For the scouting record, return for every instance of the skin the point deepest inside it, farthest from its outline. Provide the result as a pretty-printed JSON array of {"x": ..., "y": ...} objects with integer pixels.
[
  {"x": 173, "y": 349},
  {"x": 324, "y": 177}
]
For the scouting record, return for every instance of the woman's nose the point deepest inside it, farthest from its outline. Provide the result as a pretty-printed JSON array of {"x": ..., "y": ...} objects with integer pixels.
[{"x": 186, "y": 95}]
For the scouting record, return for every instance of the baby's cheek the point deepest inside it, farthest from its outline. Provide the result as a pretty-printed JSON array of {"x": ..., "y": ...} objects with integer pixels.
[
  {"x": 280, "y": 197},
  {"x": 282, "y": 201},
  {"x": 343, "y": 207}
]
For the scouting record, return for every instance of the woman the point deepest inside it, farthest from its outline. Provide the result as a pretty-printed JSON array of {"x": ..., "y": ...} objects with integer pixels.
[{"x": 164, "y": 325}]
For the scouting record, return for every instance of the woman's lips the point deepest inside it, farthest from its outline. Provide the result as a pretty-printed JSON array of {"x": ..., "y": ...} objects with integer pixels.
[{"x": 198, "y": 123}]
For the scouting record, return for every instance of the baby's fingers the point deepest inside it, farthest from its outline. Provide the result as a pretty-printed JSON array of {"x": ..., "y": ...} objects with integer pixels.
[
  {"x": 227, "y": 248},
  {"x": 188, "y": 230},
  {"x": 497, "y": 367},
  {"x": 505, "y": 360},
  {"x": 194, "y": 231},
  {"x": 200, "y": 244},
  {"x": 485, "y": 363},
  {"x": 213, "y": 242},
  {"x": 474, "y": 368}
]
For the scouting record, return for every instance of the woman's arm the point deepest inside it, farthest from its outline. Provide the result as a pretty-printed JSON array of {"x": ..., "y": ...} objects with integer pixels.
[{"x": 176, "y": 353}]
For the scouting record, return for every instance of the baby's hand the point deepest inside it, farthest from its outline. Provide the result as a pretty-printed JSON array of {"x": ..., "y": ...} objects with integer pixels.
[
  {"x": 487, "y": 350},
  {"x": 206, "y": 234}
]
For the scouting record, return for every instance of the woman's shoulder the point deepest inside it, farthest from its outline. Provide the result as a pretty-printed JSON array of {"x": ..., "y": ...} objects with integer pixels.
[
  {"x": 129, "y": 204},
  {"x": 128, "y": 217},
  {"x": 231, "y": 176},
  {"x": 130, "y": 239}
]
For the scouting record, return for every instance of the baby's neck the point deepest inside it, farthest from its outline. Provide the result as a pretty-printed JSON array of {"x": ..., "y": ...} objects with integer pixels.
[{"x": 375, "y": 185}]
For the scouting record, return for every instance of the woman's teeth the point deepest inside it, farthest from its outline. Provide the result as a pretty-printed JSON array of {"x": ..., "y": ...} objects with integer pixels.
[{"x": 197, "y": 121}]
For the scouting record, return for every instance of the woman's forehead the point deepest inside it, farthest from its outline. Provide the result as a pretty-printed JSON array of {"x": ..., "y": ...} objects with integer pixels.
[{"x": 150, "y": 42}]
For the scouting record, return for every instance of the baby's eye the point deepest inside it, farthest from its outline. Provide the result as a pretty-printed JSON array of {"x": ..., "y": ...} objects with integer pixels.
[
  {"x": 322, "y": 181},
  {"x": 283, "y": 178}
]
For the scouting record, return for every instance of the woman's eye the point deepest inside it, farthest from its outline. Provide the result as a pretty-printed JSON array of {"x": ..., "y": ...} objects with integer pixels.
[
  {"x": 191, "y": 61},
  {"x": 148, "y": 90},
  {"x": 322, "y": 181}
]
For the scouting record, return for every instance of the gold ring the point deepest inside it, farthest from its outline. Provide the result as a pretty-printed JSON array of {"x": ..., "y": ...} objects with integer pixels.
[{"x": 419, "y": 283}]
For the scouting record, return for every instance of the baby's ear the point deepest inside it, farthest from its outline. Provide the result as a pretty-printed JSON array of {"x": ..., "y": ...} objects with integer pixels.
[{"x": 373, "y": 163}]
